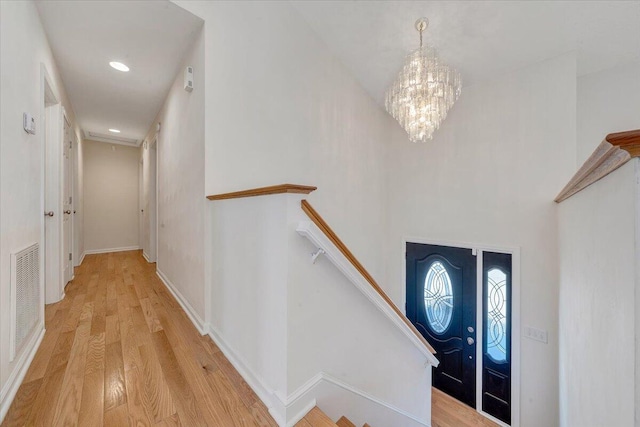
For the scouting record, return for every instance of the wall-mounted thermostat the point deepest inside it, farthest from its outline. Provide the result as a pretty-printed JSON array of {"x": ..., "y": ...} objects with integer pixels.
[
  {"x": 29, "y": 123},
  {"x": 188, "y": 79}
]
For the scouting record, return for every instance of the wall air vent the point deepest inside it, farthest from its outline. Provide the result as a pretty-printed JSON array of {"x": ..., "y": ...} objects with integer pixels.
[
  {"x": 111, "y": 139},
  {"x": 25, "y": 297}
]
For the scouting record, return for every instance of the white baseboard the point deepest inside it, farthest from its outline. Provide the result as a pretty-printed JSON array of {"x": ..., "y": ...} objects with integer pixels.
[
  {"x": 264, "y": 393},
  {"x": 256, "y": 384},
  {"x": 146, "y": 257},
  {"x": 336, "y": 398},
  {"x": 300, "y": 412},
  {"x": 11, "y": 386},
  {"x": 109, "y": 250},
  {"x": 322, "y": 389},
  {"x": 195, "y": 318},
  {"x": 81, "y": 259}
]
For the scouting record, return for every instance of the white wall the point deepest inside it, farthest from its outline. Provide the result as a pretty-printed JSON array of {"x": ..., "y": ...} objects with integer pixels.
[
  {"x": 281, "y": 108},
  {"x": 249, "y": 285},
  {"x": 489, "y": 177},
  {"x": 23, "y": 47},
  {"x": 283, "y": 320},
  {"x": 598, "y": 267},
  {"x": 181, "y": 170},
  {"x": 608, "y": 101},
  {"x": 637, "y": 293},
  {"x": 110, "y": 197},
  {"x": 335, "y": 329}
]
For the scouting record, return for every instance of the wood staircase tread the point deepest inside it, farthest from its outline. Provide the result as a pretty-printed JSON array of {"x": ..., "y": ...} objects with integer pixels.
[
  {"x": 315, "y": 418},
  {"x": 345, "y": 422}
]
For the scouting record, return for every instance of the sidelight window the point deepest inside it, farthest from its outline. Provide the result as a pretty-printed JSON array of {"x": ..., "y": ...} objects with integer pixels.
[{"x": 496, "y": 324}]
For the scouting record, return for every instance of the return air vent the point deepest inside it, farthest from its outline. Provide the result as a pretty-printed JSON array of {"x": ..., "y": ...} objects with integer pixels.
[
  {"x": 25, "y": 296},
  {"x": 101, "y": 137}
]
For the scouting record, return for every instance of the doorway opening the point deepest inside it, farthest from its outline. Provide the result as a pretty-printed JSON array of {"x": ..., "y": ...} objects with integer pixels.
[
  {"x": 464, "y": 299},
  {"x": 67, "y": 206},
  {"x": 54, "y": 126},
  {"x": 150, "y": 206}
]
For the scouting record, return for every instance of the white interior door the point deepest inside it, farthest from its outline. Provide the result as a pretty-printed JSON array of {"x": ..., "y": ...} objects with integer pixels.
[
  {"x": 152, "y": 207},
  {"x": 145, "y": 204},
  {"x": 67, "y": 208},
  {"x": 141, "y": 202},
  {"x": 53, "y": 208},
  {"x": 149, "y": 207}
]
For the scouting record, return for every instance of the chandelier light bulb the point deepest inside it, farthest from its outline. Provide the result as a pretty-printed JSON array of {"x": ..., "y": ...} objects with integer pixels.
[{"x": 423, "y": 92}]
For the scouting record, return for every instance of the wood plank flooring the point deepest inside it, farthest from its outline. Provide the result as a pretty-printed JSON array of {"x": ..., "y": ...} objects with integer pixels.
[
  {"x": 448, "y": 412},
  {"x": 119, "y": 350}
]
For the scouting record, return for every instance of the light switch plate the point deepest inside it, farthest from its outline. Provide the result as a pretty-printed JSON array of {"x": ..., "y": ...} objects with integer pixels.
[
  {"x": 536, "y": 334},
  {"x": 29, "y": 123}
]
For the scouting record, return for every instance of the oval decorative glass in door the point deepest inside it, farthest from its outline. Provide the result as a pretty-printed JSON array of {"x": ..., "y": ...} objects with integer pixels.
[{"x": 438, "y": 297}]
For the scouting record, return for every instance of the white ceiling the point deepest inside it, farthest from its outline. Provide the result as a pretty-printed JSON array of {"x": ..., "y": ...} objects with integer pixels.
[
  {"x": 149, "y": 36},
  {"x": 480, "y": 38}
]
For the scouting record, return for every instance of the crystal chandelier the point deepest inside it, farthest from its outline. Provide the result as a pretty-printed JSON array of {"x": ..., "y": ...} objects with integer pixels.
[{"x": 423, "y": 92}]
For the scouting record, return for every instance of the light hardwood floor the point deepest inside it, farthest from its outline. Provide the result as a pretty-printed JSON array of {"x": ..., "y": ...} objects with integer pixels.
[
  {"x": 448, "y": 412},
  {"x": 119, "y": 350}
]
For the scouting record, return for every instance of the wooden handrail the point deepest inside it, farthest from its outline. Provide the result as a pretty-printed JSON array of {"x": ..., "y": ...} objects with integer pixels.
[
  {"x": 331, "y": 235},
  {"x": 263, "y": 191},
  {"x": 614, "y": 151},
  {"x": 628, "y": 141}
]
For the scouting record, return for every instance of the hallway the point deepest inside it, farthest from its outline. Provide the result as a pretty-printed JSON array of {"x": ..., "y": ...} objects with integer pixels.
[{"x": 119, "y": 350}]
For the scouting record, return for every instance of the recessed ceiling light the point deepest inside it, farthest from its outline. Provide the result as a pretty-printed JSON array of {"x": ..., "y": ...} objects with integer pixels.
[
  {"x": 114, "y": 130},
  {"x": 119, "y": 66}
]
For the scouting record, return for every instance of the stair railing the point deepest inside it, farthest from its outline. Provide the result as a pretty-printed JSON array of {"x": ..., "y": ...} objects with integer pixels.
[{"x": 378, "y": 296}]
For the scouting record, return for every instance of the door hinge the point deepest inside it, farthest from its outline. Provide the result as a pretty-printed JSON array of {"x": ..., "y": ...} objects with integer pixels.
[
  {"x": 69, "y": 257},
  {"x": 70, "y": 198},
  {"x": 70, "y": 142}
]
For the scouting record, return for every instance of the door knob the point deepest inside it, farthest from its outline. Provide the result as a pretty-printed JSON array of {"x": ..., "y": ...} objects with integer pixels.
[
  {"x": 470, "y": 329},
  {"x": 470, "y": 341},
  {"x": 67, "y": 212},
  {"x": 50, "y": 213}
]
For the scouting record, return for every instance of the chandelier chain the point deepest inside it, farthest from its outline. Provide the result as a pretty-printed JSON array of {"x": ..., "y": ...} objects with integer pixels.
[{"x": 421, "y": 25}]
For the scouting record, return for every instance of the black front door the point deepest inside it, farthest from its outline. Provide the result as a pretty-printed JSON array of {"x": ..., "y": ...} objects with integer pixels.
[{"x": 441, "y": 303}]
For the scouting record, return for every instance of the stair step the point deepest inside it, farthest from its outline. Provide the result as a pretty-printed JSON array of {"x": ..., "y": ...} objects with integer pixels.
[
  {"x": 345, "y": 422},
  {"x": 316, "y": 418}
]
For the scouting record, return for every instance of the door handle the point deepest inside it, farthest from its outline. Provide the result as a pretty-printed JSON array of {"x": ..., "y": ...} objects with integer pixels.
[
  {"x": 67, "y": 212},
  {"x": 470, "y": 340},
  {"x": 50, "y": 213}
]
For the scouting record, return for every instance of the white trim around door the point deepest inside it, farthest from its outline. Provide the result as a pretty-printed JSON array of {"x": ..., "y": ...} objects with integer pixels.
[{"x": 478, "y": 249}]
